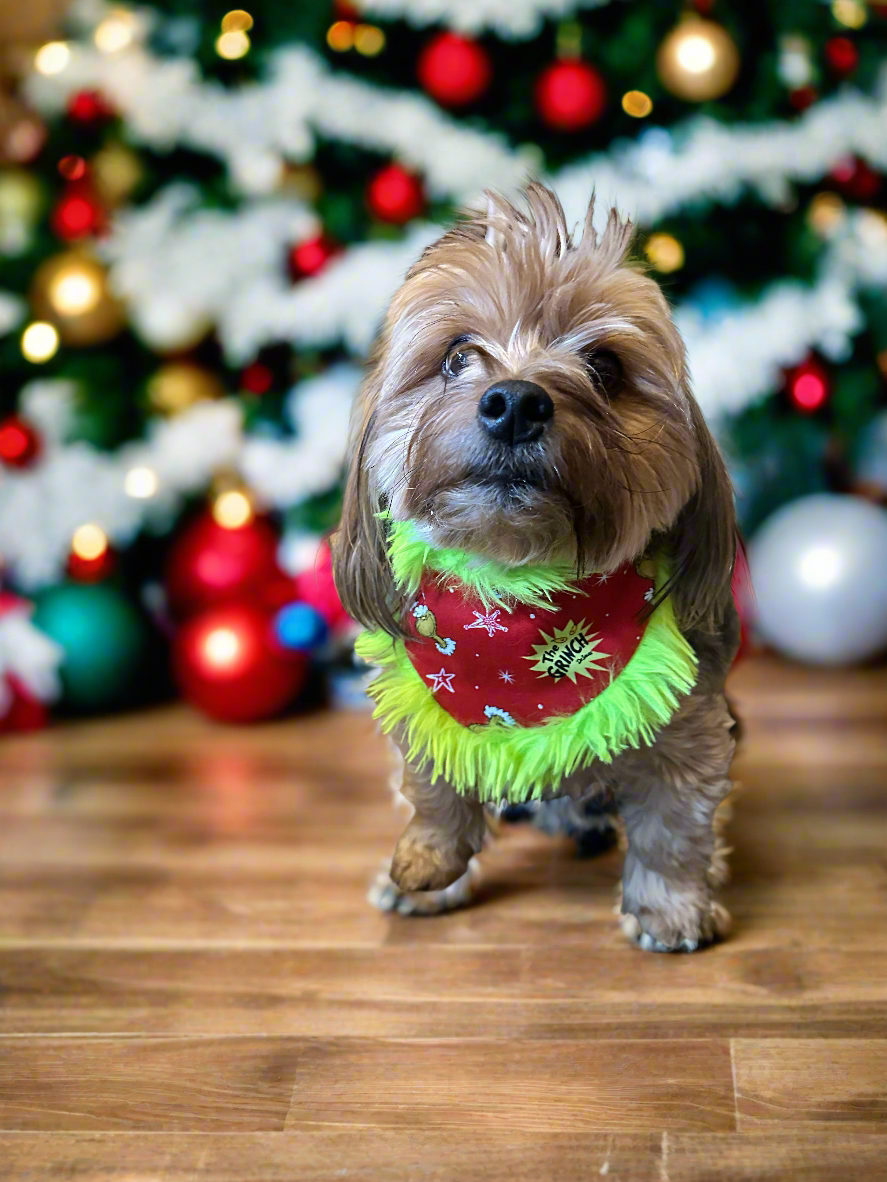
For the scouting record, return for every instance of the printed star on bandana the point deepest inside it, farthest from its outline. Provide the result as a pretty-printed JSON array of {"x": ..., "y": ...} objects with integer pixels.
[
  {"x": 442, "y": 680},
  {"x": 488, "y": 620},
  {"x": 507, "y": 677}
]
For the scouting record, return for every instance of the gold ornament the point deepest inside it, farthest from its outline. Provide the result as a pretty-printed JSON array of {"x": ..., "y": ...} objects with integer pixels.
[
  {"x": 664, "y": 253},
  {"x": 71, "y": 291},
  {"x": 826, "y": 213},
  {"x": 116, "y": 171},
  {"x": 181, "y": 384},
  {"x": 21, "y": 197},
  {"x": 698, "y": 60}
]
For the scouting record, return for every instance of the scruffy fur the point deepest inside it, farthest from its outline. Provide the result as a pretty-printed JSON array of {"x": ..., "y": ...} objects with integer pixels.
[{"x": 622, "y": 471}]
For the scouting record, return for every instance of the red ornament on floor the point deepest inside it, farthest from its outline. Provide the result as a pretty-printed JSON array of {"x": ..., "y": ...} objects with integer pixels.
[
  {"x": 211, "y": 563},
  {"x": 89, "y": 107},
  {"x": 454, "y": 70},
  {"x": 395, "y": 195},
  {"x": 20, "y": 444},
  {"x": 570, "y": 95},
  {"x": 76, "y": 215},
  {"x": 842, "y": 55},
  {"x": 311, "y": 256},
  {"x": 228, "y": 664},
  {"x": 808, "y": 386}
]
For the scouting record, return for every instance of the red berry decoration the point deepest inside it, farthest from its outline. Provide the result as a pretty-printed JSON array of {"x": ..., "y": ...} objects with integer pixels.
[
  {"x": 229, "y": 664},
  {"x": 808, "y": 386},
  {"x": 454, "y": 70},
  {"x": 803, "y": 97},
  {"x": 76, "y": 215},
  {"x": 842, "y": 55},
  {"x": 20, "y": 443},
  {"x": 257, "y": 378},
  {"x": 88, "y": 107},
  {"x": 211, "y": 563},
  {"x": 395, "y": 195},
  {"x": 312, "y": 255},
  {"x": 855, "y": 178},
  {"x": 570, "y": 95}
]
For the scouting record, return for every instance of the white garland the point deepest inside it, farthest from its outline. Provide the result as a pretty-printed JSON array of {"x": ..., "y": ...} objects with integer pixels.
[
  {"x": 73, "y": 483},
  {"x": 254, "y": 129},
  {"x": 514, "y": 19}
]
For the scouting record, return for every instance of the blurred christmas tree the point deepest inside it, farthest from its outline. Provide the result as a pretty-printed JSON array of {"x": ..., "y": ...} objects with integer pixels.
[{"x": 204, "y": 217}]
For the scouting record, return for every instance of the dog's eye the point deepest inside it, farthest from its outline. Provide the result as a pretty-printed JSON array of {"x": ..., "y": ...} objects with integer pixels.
[
  {"x": 605, "y": 369},
  {"x": 454, "y": 362}
]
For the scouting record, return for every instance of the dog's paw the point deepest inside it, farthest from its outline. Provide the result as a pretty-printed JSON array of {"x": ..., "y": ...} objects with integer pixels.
[
  {"x": 387, "y": 896},
  {"x": 419, "y": 867},
  {"x": 711, "y": 924}
]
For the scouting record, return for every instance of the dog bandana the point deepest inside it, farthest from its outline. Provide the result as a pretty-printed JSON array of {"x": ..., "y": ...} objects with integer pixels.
[{"x": 511, "y": 678}]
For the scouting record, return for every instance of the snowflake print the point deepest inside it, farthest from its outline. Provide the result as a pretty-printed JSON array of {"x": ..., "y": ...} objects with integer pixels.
[
  {"x": 488, "y": 620},
  {"x": 442, "y": 680},
  {"x": 507, "y": 677},
  {"x": 601, "y": 579},
  {"x": 648, "y": 594}
]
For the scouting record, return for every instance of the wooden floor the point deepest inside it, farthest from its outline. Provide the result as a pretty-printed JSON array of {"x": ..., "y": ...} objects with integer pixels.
[{"x": 192, "y": 987}]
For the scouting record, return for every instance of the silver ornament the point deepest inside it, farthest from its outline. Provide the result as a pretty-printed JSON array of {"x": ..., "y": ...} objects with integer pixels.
[{"x": 819, "y": 569}]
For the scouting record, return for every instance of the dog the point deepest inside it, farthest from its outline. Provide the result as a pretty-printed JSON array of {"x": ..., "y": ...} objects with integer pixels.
[{"x": 528, "y": 407}]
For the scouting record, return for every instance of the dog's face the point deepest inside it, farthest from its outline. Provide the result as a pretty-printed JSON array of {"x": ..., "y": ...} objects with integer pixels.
[{"x": 529, "y": 402}]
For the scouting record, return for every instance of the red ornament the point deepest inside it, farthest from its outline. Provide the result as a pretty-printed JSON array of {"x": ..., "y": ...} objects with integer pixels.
[
  {"x": 228, "y": 664},
  {"x": 808, "y": 386},
  {"x": 454, "y": 70},
  {"x": 24, "y": 712},
  {"x": 210, "y": 564},
  {"x": 841, "y": 55},
  {"x": 256, "y": 378},
  {"x": 316, "y": 587},
  {"x": 20, "y": 443},
  {"x": 312, "y": 255},
  {"x": 72, "y": 168},
  {"x": 803, "y": 97},
  {"x": 88, "y": 107},
  {"x": 395, "y": 195},
  {"x": 855, "y": 178},
  {"x": 570, "y": 95},
  {"x": 91, "y": 570},
  {"x": 76, "y": 215}
]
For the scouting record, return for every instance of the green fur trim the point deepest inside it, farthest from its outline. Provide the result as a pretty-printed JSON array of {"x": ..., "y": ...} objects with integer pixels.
[
  {"x": 492, "y": 582},
  {"x": 515, "y": 764}
]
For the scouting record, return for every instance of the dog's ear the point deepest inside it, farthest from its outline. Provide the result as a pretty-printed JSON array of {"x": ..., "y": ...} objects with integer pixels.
[
  {"x": 702, "y": 543},
  {"x": 360, "y": 560}
]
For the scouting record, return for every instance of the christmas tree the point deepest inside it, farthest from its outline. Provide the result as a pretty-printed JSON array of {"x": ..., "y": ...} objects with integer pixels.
[{"x": 203, "y": 218}]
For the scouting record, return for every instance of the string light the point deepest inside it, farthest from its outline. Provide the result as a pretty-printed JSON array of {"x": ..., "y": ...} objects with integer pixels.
[
  {"x": 369, "y": 40},
  {"x": 221, "y": 647},
  {"x": 851, "y": 13},
  {"x": 74, "y": 292},
  {"x": 89, "y": 542},
  {"x": 115, "y": 32},
  {"x": 665, "y": 253},
  {"x": 827, "y": 211},
  {"x": 40, "y": 341},
  {"x": 52, "y": 57},
  {"x": 637, "y": 104},
  {"x": 340, "y": 36},
  {"x": 232, "y": 509},
  {"x": 696, "y": 54},
  {"x": 232, "y": 46},
  {"x": 140, "y": 483},
  {"x": 237, "y": 21}
]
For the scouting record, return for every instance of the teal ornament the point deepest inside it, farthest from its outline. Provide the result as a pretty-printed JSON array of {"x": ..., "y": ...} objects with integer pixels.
[
  {"x": 714, "y": 298},
  {"x": 104, "y": 639}
]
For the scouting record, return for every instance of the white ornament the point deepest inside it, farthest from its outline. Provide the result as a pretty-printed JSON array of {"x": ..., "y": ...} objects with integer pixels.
[{"x": 819, "y": 571}]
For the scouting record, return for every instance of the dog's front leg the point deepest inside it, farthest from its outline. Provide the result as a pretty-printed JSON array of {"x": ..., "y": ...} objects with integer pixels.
[
  {"x": 668, "y": 803},
  {"x": 444, "y": 833}
]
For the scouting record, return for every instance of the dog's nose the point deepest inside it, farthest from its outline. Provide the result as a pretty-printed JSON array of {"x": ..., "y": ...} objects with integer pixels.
[{"x": 515, "y": 412}]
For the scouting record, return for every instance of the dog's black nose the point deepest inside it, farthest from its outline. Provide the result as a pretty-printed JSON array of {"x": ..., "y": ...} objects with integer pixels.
[{"x": 515, "y": 412}]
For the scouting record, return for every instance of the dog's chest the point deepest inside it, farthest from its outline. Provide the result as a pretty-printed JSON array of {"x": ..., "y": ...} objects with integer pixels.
[{"x": 523, "y": 665}]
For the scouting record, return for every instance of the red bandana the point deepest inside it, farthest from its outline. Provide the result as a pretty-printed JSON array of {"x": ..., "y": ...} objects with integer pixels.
[{"x": 525, "y": 665}]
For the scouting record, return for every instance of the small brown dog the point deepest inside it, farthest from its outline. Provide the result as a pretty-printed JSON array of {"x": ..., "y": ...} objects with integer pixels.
[{"x": 528, "y": 405}]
